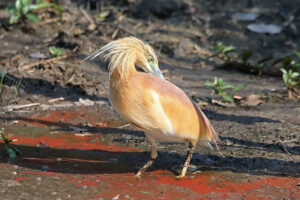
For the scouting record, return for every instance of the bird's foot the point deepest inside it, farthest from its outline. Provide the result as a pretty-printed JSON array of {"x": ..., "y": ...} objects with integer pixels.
[
  {"x": 138, "y": 175},
  {"x": 180, "y": 176}
]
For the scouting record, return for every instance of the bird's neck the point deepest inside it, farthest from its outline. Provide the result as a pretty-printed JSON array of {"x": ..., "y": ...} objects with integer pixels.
[{"x": 120, "y": 77}]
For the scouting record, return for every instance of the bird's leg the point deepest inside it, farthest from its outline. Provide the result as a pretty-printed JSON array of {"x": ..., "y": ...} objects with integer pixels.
[
  {"x": 189, "y": 155},
  {"x": 152, "y": 142}
]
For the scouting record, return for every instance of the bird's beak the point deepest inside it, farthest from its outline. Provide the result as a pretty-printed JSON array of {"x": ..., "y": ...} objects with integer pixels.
[{"x": 156, "y": 71}]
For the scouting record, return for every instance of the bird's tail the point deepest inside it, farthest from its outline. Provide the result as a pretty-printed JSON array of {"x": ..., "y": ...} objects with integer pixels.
[{"x": 207, "y": 131}]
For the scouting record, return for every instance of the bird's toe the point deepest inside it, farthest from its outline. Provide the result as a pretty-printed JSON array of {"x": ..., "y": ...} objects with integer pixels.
[{"x": 180, "y": 176}]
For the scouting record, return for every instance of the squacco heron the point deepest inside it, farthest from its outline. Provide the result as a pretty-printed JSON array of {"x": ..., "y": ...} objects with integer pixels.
[{"x": 151, "y": 103}]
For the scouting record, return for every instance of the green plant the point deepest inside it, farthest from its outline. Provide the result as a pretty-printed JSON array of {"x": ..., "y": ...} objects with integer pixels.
[
  {"x": 223, "y": 51},
  {"x": 240, "y": 60},
  {"x": 10, "y": 150},
  {"x": 55, "y": 51},
  {"x": 290, "y": 77},
  {"x": 288, "y": 62},
  {"x": 1, "y": 81},
  {"x": 221, "y": 87},
  {"x": 24, "y": 9},
  {"x": 295, "y": 64},
  {"x": 17, "y": 86},
  {"x": 102, "y": 16}
]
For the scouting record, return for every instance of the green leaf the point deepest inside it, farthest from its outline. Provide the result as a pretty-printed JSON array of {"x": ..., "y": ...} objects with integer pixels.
[
  {"x": 18, "y": 4},
  {"x": 58, "y": 8},
  {"x": 32, "y": 17},
  {"x": 55, "y": 51},
  {"x": 10, "y": 9},
  {"x": 285, "y": 78},
  {"x": 228, "y": 49},
  {"x": 25, "y": 8},
  {"x": 14, "y": 19},
  {"x": 283, "y": 70},
  {"x": 40, "y": 1},
  {"x": 216, "y": 80},
  {"x": 227, "y": 86},
  {"x": 297, "y": 53},
  {"x": 295, "y": 75},
  {"x": 43, "y": 5},
  {"x": 209, "y": 85},
  {"x": 228, "y": 97},
  {"x": 6, "y": 141},
  {"x": 219, "y": 47},
  {"x": 293, "y": 82},
  {"x": 295, "y": 64},
  {"x": 242, "y": 86},
  {"x": 26, "y": 2},
  {"x": 3, "y": 137}
]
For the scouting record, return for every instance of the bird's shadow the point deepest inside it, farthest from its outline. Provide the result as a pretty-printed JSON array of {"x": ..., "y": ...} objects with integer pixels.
[
  {"x": 241, "y": 119},
  {"x": 101, "y": 161},
  {"x": 106, "y": 162}
]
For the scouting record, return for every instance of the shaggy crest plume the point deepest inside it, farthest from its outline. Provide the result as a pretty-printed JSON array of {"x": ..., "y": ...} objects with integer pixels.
[{"x": 123, "y": 53}]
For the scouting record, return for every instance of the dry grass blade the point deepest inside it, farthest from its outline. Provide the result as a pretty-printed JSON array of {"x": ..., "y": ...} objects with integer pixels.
[
  {"x": 17, "y": 107},
  {"x": 29, "y": 66}
]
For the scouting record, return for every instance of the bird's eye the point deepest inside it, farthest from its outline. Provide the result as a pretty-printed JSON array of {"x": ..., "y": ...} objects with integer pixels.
[{"x": 150, "y": 59}]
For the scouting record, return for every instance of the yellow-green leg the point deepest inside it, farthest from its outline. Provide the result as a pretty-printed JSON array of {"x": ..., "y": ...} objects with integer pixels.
[
  {"x": 189, "y": 155},
  {"x": 152, "y": 142}
]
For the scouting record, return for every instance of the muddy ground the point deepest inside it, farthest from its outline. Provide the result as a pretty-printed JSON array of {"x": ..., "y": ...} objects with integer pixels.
[{"x": 258, "y": 141}]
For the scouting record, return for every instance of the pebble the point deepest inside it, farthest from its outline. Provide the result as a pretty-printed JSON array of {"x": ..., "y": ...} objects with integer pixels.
[
  {"x": 113, "y": 160},
  {"x": 45, "y": 168},
  {"x": 127, "y": 137},
  {"x": 192, "y": 168}
]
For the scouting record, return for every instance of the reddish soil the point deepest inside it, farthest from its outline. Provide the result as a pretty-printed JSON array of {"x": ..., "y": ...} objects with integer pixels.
[{"x": 76, "y": 149}]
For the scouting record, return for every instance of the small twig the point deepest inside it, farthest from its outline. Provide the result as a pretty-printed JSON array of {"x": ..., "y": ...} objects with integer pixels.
[
  {"x": 56, "y": 99},
  {"x": 86, "y": 15},
  {"x": 92, "y": 25},
  {"x": 60, "y": 99},
  {"x": 17, "y": 107},
  {"x": 283, "y": 147},
  {"x": 115, "y": 33},
  {"x": 29, "y": 66},
  {"x": 124, "y": 126}
]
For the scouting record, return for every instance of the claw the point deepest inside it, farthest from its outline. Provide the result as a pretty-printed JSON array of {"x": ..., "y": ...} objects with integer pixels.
[
  {"x": 180, "y": 176},
  {"x": 138, "y": 175}
]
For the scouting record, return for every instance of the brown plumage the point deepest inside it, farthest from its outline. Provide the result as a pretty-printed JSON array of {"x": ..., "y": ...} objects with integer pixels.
[{"x": 151, "y": 103}]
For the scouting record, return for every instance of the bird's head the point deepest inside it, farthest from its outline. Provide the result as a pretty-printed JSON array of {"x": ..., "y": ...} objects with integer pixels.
[
  {"x": 129, "y": 52},
  {"x": 146, "y": 59}
]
